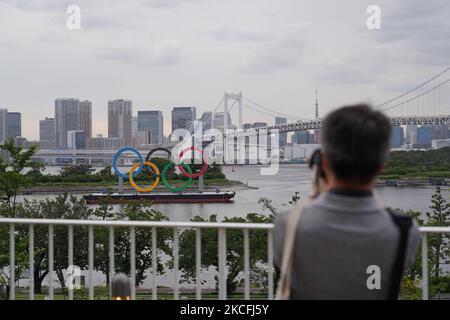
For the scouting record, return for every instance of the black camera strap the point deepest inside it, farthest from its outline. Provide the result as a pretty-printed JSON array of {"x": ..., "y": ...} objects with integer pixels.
[{"x": 404, "y": 224}]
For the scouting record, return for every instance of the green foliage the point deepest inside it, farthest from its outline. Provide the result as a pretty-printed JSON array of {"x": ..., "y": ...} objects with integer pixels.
[
  {"x": 235, "y": 248},
  {"x": 76, "y": 170},
  {"x": 438, "y": 247},
  {"x": 11, "y": 176},
  {"x": 136, "y": 212},
  {"x": 430, "y": 163}
]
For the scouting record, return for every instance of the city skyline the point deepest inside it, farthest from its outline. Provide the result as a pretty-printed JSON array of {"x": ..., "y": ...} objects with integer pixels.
[{"x": 277, "y": 55}]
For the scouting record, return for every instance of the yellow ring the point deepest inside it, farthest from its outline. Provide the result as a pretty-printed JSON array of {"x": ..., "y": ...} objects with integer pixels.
[{"x": 135, "y": 186}]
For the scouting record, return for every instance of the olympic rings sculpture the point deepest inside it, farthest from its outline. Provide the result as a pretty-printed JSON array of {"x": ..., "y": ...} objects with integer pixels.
[{"x": 137, "y": 168}]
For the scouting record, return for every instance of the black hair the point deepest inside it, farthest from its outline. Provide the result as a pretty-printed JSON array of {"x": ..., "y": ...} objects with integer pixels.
[{"x": 356, "y": 140}]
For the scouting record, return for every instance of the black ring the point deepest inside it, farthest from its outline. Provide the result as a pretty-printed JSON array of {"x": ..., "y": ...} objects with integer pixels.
[{"x": 149, "y": 155}]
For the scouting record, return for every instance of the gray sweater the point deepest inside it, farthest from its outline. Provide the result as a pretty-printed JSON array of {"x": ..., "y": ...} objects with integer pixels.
[{"x": 337, "y": 239}]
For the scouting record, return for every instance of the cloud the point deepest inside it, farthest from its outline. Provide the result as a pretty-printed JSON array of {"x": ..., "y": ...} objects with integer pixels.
[
  {"x": 422, "y": 27},
  {"x": 166, "y": 52},
  {"x": 282, "y": 49},
  {"x": 164, "y": 4},
  {"x": 229, "y": 33}
]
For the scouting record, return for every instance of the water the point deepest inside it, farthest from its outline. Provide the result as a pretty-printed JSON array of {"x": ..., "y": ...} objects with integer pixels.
[{"x": 279, "y": 188}]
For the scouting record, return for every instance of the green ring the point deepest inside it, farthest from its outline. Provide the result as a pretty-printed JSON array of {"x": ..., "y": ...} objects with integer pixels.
[{"x": 167, "y": 185}]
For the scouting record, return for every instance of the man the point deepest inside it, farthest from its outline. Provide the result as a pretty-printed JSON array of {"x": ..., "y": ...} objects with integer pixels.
[{"x": 345, "y": 238}]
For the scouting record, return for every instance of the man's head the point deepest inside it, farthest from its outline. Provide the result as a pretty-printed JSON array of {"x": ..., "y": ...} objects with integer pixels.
[{"x": 355, "y": 143}]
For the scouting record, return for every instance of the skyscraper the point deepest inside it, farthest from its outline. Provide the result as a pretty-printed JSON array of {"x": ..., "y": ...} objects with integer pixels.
[
  {"x": 207, "y": 120},
  {"x": 151, "y": 121},
  {"x": 411, "y": 134},
  {"x": 119, "y": 120},
  {"x": 76, "y": 139},
  {"x": 397, "y": 137},
  {"x": 3, "y": 124},
  {"x": 283, "y": 135},
  {"x": 424, "y": 137},
  {"x": 134, "y": 126},
  {"x": 47, "y": 134},
  {"x": 13, "y": 125},
  {"x": 182, "y": 117},
  {"x": 85, "y": 110},
  {"x": 71, "y": 114}
]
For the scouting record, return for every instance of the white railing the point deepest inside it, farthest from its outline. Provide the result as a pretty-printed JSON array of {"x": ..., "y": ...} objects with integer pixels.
[
  {"x": 153, "y": 225},
  {"x": 176, "y": 226}
]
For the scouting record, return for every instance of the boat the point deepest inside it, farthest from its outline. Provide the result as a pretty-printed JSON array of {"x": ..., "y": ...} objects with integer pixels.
[{"x": 162, "y": 197}]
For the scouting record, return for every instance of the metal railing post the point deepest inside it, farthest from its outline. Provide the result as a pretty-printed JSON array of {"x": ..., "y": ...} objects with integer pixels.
[
  {"x": 424, "y": 266},
  {"x": 91, "y": 262},
  {"x": 12, "y": 263},
  {"x": 50, "y": 262},
  {"x": 70, "y": 256},
  {"x": 111, "y": 259},
  {"x": 154, "y": 265},
  {"x": 270, "y": 264},
  {"x": 198, "y": 263},
  {"x": 31, "y": 261},
  {"x": 176, "y": 293},
  {"x": 222, "y": 264},
  {"x": 133, "y": 263},
  {"x": 246, "y": 265}
]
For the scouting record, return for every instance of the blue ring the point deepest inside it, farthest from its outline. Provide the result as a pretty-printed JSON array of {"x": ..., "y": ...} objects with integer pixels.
[{"x": 116, "y": 157}]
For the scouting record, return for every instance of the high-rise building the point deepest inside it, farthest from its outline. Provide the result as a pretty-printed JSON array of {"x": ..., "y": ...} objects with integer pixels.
[
  {"x": 119, "y": 120},
  {"x": 47, "y": 134},
  {"x": 259, "y": 125},
  {"x": 72, "y": 114},
  {"x": 102, "y": 143},
  {"x": 302, "y": 137},
  {"x": 411, "y": 134},
  {"x": 207, "y": 120},
  {"x": 183, "y": 117},
  {"x": 424, "y": 137},
  {"x": 85, "y": 110},
  {"x": 152, "y": 121},
  {"x": 283, "y": 135},
  {"x": 3, "y": 124},
  {"x": 440, "y": 132},
  {"x": 397, "y": 137},
  {"x": 13, "y": 125},
  {"x": 218, "y": 121},
  {"x": 134, "y": 126},
  {"x": 76, "y": 139},
  {"x": 143, "y": 137}
]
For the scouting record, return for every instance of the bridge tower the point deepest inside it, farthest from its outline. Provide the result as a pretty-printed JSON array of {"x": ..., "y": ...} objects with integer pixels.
[
  {"x": 238, "y": 98},
  {"x": 317, "y": 107}
]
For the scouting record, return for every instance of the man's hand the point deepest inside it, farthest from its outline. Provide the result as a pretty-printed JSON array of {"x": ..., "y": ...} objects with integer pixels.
[{"x": 318, "y": 183}]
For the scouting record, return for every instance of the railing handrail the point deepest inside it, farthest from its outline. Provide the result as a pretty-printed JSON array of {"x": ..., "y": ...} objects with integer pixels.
[
  {"x": 138, "y": 223},
  {"x": 220, "y": 226},
  {"x": 167, "y": 224}
]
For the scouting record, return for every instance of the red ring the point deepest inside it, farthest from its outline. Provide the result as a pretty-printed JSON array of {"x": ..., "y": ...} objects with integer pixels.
[{"x": 202, "y": 170}]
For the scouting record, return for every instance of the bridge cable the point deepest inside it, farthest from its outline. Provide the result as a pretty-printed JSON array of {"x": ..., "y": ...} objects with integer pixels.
[{"x": 414, "y": 89}]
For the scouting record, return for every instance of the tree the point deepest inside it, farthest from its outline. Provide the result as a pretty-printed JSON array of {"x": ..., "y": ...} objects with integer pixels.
[
  {"x": 137, "y": 212},
  {"x": 438, "y": 243},
  {"x": 12, "y": 178},
  {"x": 438, "y": 249},
  {"x": 61, "y": 207},
  {"x": 235, "y": 250},
  {"x": 76, "y": 170}
]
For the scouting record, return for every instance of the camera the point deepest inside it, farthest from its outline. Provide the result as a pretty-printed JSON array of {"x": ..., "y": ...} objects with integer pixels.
[{"x": 316, "y": 160}]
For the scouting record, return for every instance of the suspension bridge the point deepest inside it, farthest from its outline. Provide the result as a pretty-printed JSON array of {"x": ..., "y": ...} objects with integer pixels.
[{"x": 427, "y": 104}]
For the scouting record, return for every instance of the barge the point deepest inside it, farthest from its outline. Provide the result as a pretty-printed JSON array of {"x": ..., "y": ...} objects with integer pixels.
[{"x": 162, "y": 197}]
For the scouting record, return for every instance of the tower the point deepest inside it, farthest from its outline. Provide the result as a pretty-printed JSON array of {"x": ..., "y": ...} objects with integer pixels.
[
  {"x": 232, "y": 96},
  {"x": 317, "y": 107}
]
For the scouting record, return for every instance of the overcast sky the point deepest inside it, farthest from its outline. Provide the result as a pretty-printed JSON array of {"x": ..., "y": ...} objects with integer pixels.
[{"x": 162, "y": 53}]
